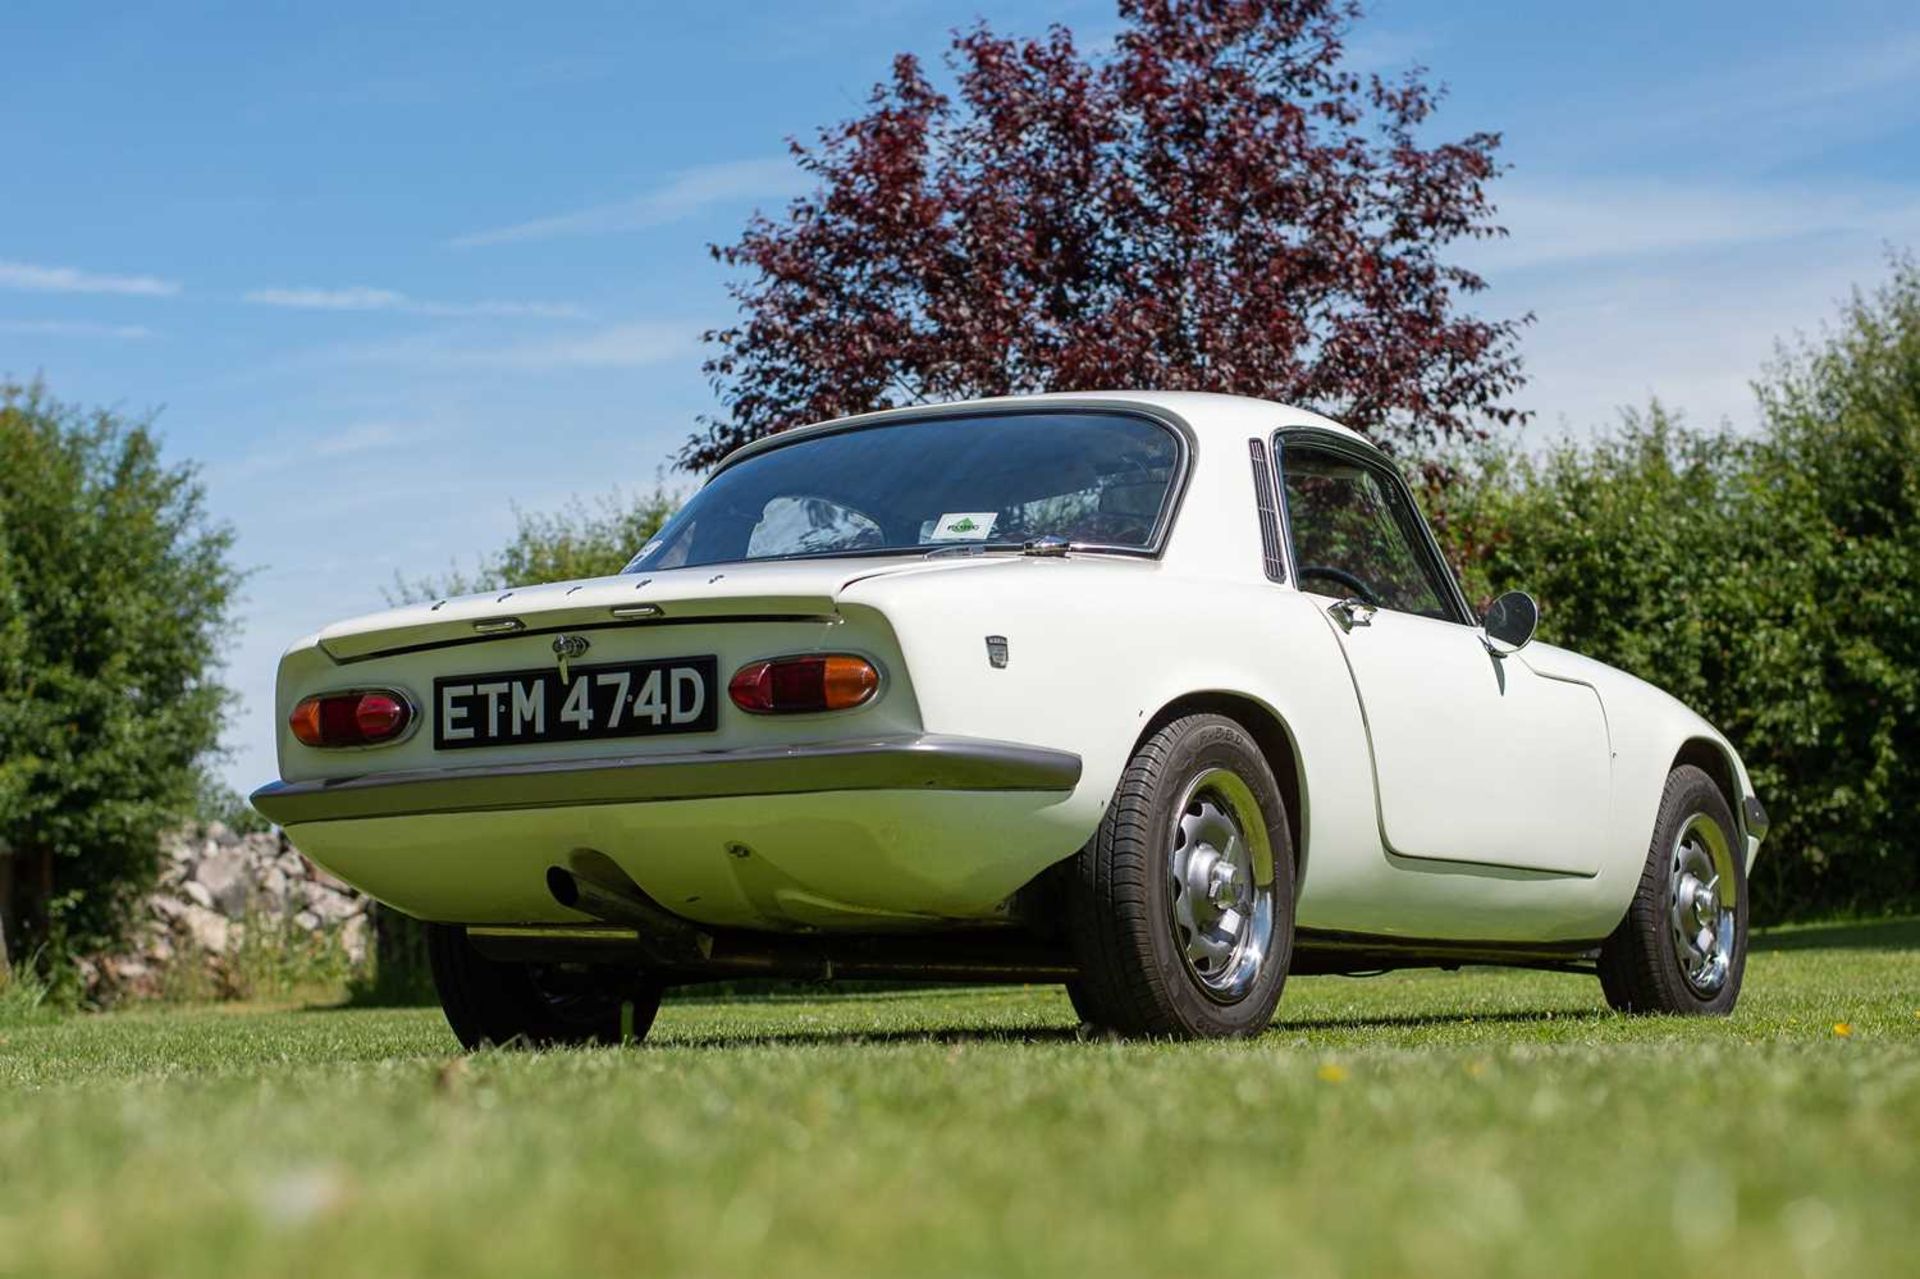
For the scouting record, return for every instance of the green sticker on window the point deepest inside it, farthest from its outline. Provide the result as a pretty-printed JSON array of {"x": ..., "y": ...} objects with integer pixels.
[{"x": 964, "y": 526}]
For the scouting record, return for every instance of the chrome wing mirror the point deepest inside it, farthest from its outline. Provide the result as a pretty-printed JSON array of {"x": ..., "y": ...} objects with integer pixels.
[{"x": 1509, "y": 623}]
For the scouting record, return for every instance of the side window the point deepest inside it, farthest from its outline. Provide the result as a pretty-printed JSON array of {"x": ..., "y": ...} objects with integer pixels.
[{"x": 1356, "y": 534}]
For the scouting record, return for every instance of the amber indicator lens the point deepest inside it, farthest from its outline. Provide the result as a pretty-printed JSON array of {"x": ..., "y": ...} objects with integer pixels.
[
  {"x": 360, "y": 718},
  {"x": 795, "y": 685}
]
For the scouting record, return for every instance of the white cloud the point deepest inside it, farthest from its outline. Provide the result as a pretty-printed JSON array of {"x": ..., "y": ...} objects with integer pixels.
[
  {"x": 1838, "y": 74},
  {"x": 1693, "y": 329},
  {"x": 360, "y": 297},
  {"x": 364, "y": 437},
  {"x": 687, "y": 193},
  {"x": 1785, "y": 87},
  {"x": 631, "y": 345},
  {"x": 1384, "y": 51},
  {"x": 1757, "y": 114},
  {"x": 289, "y": 450},
  {"x": 355, "y": 298},
  {"x": 621, "y": 346},
  {"x": 1556, "y": 222},
  {"x": 66, "y": 279},
  {"x": 74, "y": 328}
]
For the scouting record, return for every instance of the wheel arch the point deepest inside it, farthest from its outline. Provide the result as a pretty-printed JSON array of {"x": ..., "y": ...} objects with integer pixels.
[
  {"x": 1270, "y": 733},
  {"x": 1716, "y": 760}
]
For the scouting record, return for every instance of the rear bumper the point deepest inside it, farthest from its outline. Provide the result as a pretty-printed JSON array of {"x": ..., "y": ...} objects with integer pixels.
[{"x": 920, "y": 762}]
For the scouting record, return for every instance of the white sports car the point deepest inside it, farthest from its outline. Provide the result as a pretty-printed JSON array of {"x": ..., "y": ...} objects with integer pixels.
[{"x": 1160, "y": 696}]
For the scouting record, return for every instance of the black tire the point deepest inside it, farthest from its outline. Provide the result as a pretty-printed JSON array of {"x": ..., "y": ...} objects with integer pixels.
[
  {"x": 534, "y": 1005},
  {"x": 1083, "y": 1006},
  {"x": 1135, "y": 977},
  {"x": 1641, "y": 964}
]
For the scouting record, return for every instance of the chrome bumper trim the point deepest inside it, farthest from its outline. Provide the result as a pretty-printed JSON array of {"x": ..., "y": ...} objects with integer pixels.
[{"x": 929, "y": 762}]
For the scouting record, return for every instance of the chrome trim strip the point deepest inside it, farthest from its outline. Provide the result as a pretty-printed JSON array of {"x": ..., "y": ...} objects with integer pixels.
[
  {"x": 1756, "y": 815},
  {"x": 926, "y": 762}
]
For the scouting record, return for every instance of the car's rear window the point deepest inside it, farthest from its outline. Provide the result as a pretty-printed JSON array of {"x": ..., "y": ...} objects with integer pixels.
[{"x": 913, "y": 486}]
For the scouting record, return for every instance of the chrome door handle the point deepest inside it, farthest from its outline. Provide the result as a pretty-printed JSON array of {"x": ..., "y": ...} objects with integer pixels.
[{"x": 1352, "y": 612}]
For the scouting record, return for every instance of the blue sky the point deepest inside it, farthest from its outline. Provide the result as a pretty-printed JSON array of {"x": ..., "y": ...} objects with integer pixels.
[{"x": 388, "y": 269}]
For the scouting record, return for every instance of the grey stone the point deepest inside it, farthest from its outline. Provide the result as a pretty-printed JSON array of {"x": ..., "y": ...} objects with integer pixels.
[
  {"x": 198, "y": 894},
  {"x": 353, "y": 938},
  {"x": 329, "y": 905},
  {"x": 208, "y": 929},
  {"x": 225, "y": 875}
]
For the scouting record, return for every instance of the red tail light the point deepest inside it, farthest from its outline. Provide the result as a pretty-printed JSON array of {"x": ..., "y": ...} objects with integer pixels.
[
  {"x": 359, "y": 718},
  {"x": 816, "y": 682}
]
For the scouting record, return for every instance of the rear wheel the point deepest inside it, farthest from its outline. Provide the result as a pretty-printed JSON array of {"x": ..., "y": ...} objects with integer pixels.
[
  {"x": 1181, "y": 907},
  {"x": 1682, "y": 947},
  {"x": 534, "y": 1005}
]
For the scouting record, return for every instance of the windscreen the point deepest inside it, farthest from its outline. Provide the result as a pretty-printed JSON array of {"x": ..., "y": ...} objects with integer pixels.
[{"x": 918, "y": 486}]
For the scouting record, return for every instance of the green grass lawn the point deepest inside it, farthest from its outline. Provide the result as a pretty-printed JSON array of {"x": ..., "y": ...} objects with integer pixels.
[{"x": 1471, "y": 1124}]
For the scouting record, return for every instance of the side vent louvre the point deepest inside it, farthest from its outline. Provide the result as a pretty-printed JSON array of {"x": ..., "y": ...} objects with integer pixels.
[{"x": 1269, "y": 517}]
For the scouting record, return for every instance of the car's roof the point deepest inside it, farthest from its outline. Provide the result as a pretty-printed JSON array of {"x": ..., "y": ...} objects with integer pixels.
[{"x": 1206, "y": 412}]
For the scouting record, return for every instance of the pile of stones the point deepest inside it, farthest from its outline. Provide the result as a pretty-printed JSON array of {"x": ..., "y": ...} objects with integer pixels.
[{"x": 215, "y": 885}]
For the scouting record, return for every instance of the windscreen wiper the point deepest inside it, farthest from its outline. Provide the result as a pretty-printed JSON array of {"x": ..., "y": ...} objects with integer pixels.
[
  {"x": 972, "y": 548},
  {"x": 1048, "y": 546}
]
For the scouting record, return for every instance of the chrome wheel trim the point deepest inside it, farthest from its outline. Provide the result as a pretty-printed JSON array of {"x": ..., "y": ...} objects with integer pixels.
[
  {"x": 1220, "y": 885},
  {"x": 1701, "y": 900}
]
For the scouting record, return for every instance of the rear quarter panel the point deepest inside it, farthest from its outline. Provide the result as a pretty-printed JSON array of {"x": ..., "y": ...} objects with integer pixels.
[
  {"x": 1097, "y": 647},
  {"x": 1648, "y": 729}
]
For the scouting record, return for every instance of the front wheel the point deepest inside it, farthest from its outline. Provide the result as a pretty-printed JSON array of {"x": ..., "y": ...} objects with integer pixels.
[
  {"x": 1181, "y": 907},
  {"x": 534, "y": 1005},
  {"x": 1682, "y": 947}
]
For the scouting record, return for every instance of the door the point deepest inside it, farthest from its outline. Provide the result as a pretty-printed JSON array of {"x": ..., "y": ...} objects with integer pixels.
[{"x": 1476, "y": 758}]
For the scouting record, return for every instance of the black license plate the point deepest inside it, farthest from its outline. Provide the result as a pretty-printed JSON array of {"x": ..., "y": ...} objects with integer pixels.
[{"x": 627, "y": 699}]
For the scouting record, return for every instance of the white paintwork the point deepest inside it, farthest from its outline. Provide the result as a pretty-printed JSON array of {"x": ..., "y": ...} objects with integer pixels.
[
  {"x": 1479, "y": 758},
  {"x": 1517, "y": 811}
]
